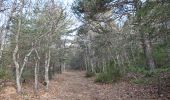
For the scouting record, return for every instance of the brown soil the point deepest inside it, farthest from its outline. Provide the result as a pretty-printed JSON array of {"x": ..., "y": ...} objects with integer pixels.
[{"x": 73, "y": 85}]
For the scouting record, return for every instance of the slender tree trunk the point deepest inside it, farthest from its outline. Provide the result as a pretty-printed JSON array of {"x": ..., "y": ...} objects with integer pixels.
[
  {"x": 92, "y": 59},
  {"x": 148, "y": 53},
  {"x": 36, "y": 76},
  {"x": 87, "y": 57},
  {"x": 103, "y": 65},
  {"x": 3, "y": 32},
  {"x": 6, "y": 28},
  {"x": 92, "y": 66},
  {"x": 64, "y": 66},
  {"x": 25, "y": 61},
  {"x": 17, "y": 69},
  {"x": 117, "y": 59},
  {"x": 15, "y": 59},
  {"x": 18, "y": 83},
  {"x": 127, "y": 59},
  {"x": 47, "y": 64},
  {"x": 132, "y": 52},
  {"x": 85, "y": 62}
]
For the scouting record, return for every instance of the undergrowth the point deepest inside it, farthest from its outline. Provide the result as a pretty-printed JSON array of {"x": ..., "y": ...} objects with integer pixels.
[
  {"x": 89, "y": 74},
  {"x": 4, "y": 74},
  {"x": 112, "y": 73}
]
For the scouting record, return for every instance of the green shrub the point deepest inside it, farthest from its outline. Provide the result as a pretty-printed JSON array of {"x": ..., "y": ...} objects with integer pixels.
[
  {"x": 144, "y": 80},
  {"x": 141, "y": 81},
  {"x": 104, "y": 78},
  {"x": 141, "y": 70},
  {"x": 149, "y": 74},
  {"x": 112, "y": 74},
  {"x": 160, "y": 55},
  {"x": 90, "y": 74},
  {"x": 4, "y": 74},
  {"x": 164, "y": 69},
  {"x": 137, "y": 69}
]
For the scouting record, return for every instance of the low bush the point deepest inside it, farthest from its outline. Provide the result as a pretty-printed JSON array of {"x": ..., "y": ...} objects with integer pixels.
[
  {"x": 137, "y": 69},
  {"x": 104, "y": 78},
  {"x": 4, "y": 74},
  {"x": 141, "y": 81},
  {"x": 90, "y": 74},
  {"x": 112, "y": 74}
]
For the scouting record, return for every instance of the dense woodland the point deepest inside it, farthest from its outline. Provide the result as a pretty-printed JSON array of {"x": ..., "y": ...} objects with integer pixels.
[{"x": 116, "y": 40}]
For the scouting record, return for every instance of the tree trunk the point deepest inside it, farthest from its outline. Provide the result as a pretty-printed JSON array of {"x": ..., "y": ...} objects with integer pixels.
[
  {"x": 36, "y": 76},
  {"x": 92, "y": 66},
  {"x": 25, "y": 61},
  {"x": 148, "y": 53},
  {"x": 85, "y": 62},
  {"x": 103, "y": 65},
  {"x": 64, "y": 66},
  {"x": 17, "y": 69},
  {"x": 3, "y": 32},
  {"x": 47, "y": 64},
  {"x": 132, "y": 53},
  {"x": 18, "y": 83},
  {"x": 15, "y": 59}
]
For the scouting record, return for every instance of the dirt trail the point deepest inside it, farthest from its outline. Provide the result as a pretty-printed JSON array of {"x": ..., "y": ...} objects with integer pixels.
[{"x": 73, "y": 85}]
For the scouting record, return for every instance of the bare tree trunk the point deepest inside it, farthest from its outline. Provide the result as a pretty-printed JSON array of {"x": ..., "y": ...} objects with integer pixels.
[
  {"x": 117, "y": 58},
  {"x": 103, "y": 65},
  {"x": 64, "y": 66},
  {"x": 85, "y": 62},
  {"x": 5, "y": 30},
  {"x": 148, "y": 53},
  {"x": 91, "y": 52},
  {"x": 15, "y": 58},
  {"x": 1, "y": 50},
  {"x": 25, "y": 61},
  {"x": 18, "y": 83},
  {"x": 92, "y": 66},
  {"x": 87, "y": 57},
  {"x": 132, "y": 52},
  {"x": 47, "y": 64},
  {"x": 123, "y": 66},
  {"x": 127, "y": 59},
  {"x": 36, "y": 76},
  {"x": 17, "y": 66},
  {"x": 36, "y": 71}
]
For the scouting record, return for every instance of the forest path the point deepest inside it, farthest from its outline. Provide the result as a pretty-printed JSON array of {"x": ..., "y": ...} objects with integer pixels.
[{"x": 73, "y": 85}]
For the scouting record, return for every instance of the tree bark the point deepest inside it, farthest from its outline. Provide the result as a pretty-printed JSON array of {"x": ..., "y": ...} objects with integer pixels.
[
  {"x": 17, "y": 66},
  {"x": 25, "y": 61},
  {"x": 36, "y": 76},
  {"x": 148, "y": 53},
  {"x": 47, "y": 64},
  {"x": 15, "y": 59},
  {"x": 5, "y": 30},
  {"x": 103, "y": 65}
]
